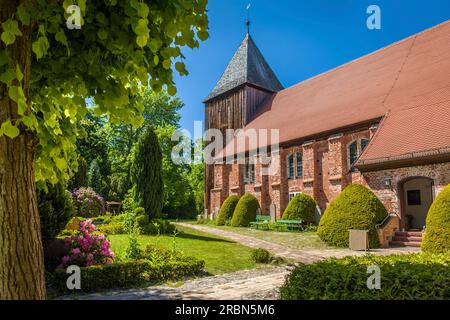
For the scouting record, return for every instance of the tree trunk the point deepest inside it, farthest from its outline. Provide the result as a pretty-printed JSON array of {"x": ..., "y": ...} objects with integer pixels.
[{"x": 21, "y": 254}]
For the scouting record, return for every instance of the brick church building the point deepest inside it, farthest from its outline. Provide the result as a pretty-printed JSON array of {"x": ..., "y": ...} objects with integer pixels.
[{"x": 382, "y": 120}]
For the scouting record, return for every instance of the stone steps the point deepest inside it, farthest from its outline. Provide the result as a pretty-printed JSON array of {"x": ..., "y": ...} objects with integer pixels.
[{"x": 407, "y": 239}]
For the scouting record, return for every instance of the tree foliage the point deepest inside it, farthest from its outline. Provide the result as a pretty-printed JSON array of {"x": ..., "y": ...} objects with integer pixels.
[
  {"x": 146, "y": 174},
  {"x": 108, "y": 60}
]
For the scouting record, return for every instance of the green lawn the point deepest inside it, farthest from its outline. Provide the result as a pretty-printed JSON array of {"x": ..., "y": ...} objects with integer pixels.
[
  {"x": 295, "y": 240},
  {"x": 220, "y": 255}
]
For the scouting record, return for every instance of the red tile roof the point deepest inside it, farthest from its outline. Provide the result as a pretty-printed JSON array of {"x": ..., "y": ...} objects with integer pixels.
[{"x": 413, "y": 75}]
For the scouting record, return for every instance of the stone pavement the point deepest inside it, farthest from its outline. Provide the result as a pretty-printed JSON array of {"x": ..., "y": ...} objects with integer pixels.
[
  {"x": 256, "y": 284},
  {"x": 299, "y": 255}
]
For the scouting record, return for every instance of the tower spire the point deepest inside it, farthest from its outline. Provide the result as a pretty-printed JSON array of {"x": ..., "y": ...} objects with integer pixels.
[{"x": 248, "y": 18}]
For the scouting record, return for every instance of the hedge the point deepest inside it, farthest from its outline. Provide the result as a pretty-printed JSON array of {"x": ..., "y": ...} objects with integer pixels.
[
  {"x": 301, "y": 207},
  {"x": 127, "y": 274},
  {"x": 356, "y": 207},
  {"x": 245, "y": 211},
  {"x": 437, "y": 232},
  {"x": 403, "y": 277},
  {"x": 227, "y": 209}
]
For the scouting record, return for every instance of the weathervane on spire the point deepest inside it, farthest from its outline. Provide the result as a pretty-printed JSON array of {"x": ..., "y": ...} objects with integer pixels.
[{"x": 248, "y": 17}]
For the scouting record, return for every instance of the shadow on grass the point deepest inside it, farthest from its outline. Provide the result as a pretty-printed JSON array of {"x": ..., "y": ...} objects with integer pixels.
[{"x": 185, "y": 235}]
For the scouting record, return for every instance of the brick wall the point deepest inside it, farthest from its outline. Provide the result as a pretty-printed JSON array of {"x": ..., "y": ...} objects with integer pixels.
[
  {"x": 325, "y": 173},
  {"x": 391, "y": 196}
]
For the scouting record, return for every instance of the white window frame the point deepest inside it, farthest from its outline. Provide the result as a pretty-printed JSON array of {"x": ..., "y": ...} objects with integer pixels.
[{"x": 292, "y": 195}]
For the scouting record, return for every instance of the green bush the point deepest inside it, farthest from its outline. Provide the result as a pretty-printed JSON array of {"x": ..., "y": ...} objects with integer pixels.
[
  {"x": 55, "y": 209},
  {"x": 261, "y": 255},
  {"x": 301, "y": 207},
  {"x": 356, "y": 207},
  {"x": 101, "y": 277},
  {"x": 226, "y": 210},
  {"x": 437, "y": 232},
  {"x": 111, "y": 228},
  {"x": 245, "y": 211},
  {"x": 403, "y": 277},
  {"x": 130, "y": 273}
]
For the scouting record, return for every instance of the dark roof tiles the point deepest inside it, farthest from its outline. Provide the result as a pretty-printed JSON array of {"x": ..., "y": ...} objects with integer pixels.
[{"x": 247, "y": 66}]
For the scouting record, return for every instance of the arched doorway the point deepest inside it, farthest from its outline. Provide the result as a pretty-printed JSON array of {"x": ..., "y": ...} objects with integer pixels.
[{"x": 416, "y": 197}]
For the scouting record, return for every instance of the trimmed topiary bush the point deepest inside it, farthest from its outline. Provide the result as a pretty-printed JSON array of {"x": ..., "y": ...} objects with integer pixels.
[
  {"x": 356, "y": 207},
  {"x": 245, "y": 211},
  {"x": 261, "y": 255},
  {"x": 227, "y": 209},
  {"x": 437, "y": 233},
  {"x": 301, "y": 207}
]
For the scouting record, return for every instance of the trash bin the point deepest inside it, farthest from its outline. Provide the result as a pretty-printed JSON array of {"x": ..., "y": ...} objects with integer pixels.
[{"x": 359, "y": 240}]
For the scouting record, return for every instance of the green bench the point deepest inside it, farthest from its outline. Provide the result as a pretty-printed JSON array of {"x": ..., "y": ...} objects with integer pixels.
[
  {"x": 262, "y": 222},
  {"x": 289, "y": 225}
]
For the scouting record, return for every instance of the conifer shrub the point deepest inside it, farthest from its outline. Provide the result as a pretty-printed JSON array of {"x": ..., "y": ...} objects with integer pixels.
[
  {"x": 245, "y": 211},
  {"x": 146, "y": 174},
  {"x": 301, "y": 207},
  {"x": 356, "y": 207},
  {"x": 437, "y": 232},
  {"x": 55, "y": 209},
  {"x": 227, "y": 209}
]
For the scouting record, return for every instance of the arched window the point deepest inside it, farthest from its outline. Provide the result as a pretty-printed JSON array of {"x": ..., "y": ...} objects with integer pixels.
[
  {"x": 354, "y": 150},
  {"x": 299, "y": 165},
  {"x": 249, "y": 172},
  {"x": 290, "y": 166}
]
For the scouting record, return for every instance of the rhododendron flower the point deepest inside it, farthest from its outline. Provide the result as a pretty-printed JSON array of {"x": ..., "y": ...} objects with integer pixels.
[{"x": 86, "y": 249}]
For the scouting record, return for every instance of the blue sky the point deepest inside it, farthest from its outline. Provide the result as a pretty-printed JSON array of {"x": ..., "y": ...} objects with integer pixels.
[{"x": 298, "y": 38}]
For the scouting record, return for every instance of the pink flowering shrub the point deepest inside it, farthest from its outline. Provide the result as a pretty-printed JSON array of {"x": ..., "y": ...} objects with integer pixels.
[
  {"x": 88, "y": 202},
  {"x": 86, "y": 248}
]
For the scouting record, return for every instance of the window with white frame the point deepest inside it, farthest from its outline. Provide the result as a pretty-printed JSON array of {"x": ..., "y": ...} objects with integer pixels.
[
  {"x": 290, "y": 166},
  {"x": 249, "y": 172},
  {"x": 354, "y": 150},
  {"x": 292, "y": 195},
  {"x": 299, "y": 165}
]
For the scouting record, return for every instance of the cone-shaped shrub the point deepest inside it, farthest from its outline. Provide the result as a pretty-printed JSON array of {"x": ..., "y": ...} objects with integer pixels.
[
  {"x": 146, "y": 174},
  {"x": 301, "y": 207},
  {"x": 356, "y": 207},
  {"x": 227, "y": 209},
  {"x": 245, "y": 211},
  {"x": 437, "y": 232}
]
